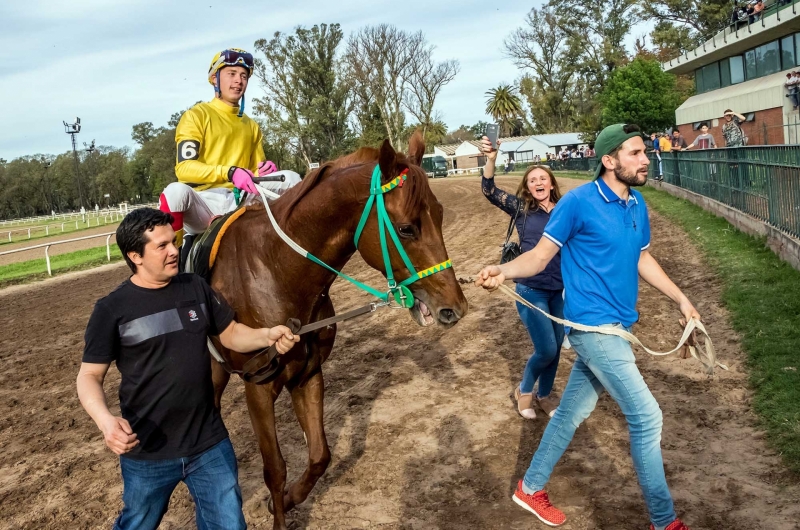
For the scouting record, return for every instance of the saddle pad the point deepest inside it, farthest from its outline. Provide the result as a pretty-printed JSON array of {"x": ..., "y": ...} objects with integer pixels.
[{"x": 204, "y": 251}]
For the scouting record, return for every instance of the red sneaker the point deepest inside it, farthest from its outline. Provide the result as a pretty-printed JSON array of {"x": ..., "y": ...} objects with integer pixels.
[
  {"x": 539, "y": 505},
  {"x": 674, "y": 525}
]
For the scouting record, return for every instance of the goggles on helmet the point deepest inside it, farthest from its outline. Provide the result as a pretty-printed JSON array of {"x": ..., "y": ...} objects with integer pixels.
[{"x": 233, "y": 57}]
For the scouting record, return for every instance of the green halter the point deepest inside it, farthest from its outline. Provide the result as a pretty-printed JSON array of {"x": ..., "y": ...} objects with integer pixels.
[{"x": 401, "y": 292}]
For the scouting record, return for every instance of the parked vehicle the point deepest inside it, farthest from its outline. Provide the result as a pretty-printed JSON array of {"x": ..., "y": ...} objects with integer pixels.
[{"x": 434, "y": 165}]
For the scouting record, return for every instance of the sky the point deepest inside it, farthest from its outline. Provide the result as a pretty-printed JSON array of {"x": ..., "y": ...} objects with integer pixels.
[{"x": 121, "y": 62}]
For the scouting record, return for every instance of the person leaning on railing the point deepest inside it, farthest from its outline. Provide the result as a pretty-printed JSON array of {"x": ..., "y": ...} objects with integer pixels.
[{"x": 732, "y": 130}]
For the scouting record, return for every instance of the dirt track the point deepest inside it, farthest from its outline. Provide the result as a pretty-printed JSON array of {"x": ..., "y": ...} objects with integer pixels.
[{"x": 420, "y": 423}]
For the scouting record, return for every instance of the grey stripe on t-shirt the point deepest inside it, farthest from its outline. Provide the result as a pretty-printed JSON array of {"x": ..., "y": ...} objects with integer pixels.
[{"x": 148, "y": 327}]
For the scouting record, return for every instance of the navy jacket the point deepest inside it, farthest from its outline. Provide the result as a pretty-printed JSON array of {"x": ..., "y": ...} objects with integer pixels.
[{"x": 530, "y": 228}]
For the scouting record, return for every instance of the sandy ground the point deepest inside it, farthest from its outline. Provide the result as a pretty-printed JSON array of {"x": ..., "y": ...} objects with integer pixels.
[
  {"x": 423, "y": 433},
  {"x": 57, "y": 249}
]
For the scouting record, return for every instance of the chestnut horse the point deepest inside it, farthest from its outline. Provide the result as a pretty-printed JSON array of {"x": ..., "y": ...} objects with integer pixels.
[{"x": 266, "y": 283}]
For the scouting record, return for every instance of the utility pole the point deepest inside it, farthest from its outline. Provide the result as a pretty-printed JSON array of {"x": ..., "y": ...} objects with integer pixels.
[{"x": 72, "y": 129}]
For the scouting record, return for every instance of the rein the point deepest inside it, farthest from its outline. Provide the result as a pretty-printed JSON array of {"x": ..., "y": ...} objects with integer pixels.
[{"x": 708, "y": 358}]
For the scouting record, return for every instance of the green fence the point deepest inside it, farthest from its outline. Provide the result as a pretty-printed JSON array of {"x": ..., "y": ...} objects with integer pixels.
[{"x": 763, "y": 181}]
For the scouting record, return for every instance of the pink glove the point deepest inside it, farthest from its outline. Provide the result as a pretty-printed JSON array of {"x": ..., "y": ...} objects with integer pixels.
[
  {"x": 266, "y": 167},
  {"x": 242, "y": 179}
]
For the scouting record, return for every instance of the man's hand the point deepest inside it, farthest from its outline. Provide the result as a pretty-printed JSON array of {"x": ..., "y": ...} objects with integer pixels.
[
  {"x": 118, "y": 435},
  {"x": 490, "y": 278},
  {"x": 283, "y": 338},
  {"x": 242, "y": 179},
  {"x": 688, "y": 311},
  {"x": 266, "y": 167}
]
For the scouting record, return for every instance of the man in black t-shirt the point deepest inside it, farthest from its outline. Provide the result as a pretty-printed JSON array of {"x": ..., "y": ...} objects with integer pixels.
[{"x": 154, "y": 326}]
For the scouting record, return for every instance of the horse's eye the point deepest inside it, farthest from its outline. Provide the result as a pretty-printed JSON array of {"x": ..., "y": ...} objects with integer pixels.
[{"x": 406, "y": 231}]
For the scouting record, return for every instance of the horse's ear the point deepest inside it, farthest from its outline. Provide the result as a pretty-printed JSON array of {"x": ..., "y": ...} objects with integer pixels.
[
  {"x": 416, "y": 148},
  {"x": 387, "y": 161}
]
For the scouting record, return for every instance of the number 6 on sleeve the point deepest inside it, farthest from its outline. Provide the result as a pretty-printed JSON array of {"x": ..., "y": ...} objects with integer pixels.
[{"x": 188, "y": 150}]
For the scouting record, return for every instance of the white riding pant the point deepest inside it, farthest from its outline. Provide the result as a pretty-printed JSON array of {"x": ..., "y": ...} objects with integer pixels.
[{"x": 201, "y": 207}]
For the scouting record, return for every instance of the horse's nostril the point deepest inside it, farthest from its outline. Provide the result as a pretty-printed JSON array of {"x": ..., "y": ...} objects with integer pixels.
[{"x": 447, "y": 316}]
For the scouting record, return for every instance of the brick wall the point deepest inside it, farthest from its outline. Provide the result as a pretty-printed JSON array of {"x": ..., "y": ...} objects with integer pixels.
[{"x": 771, "y": 119}]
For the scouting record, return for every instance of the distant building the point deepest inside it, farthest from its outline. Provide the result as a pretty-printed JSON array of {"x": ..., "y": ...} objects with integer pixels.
[
  {"x": 467, "y": 154},
  {"x": 743, "y": 68}
]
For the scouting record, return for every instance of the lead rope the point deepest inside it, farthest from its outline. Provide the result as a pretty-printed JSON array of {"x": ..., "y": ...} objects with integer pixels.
[{"x": 708, "y": 357}]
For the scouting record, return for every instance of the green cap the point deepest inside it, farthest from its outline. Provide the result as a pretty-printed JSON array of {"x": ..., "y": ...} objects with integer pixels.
[{"x": 609, "y": 139}]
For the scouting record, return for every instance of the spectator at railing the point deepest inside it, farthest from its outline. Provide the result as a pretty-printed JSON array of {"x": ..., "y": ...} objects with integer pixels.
[
  {"x": 655, "y": 146},
  {"x": 731, "y": 129},
  {"x": 757, "y": 8},
  {"x": 703, "y": 140},
  {"x": 739, "y": 16},
  {"x": 678, "y": 141},
  {"x": 666, "y": 145},
  {"x": 791, "y": 84}
]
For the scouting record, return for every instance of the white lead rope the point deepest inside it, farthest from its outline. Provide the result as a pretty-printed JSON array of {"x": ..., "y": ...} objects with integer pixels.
[{"x": 708, "y": 357}]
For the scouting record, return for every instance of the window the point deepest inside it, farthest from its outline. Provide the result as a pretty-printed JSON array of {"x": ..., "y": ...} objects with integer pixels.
[
  {"x": 725, "y": 73},
  {"x": 750, "y": 64},
  {"x": 698, "y": 81},
  {"x": 737, "y": 69},
  {"x": 787, "y": 53},
  {"x": 711, "y": 79},
  {"x": 797, "y": 47},
  {"x": 768, "y": 59}
]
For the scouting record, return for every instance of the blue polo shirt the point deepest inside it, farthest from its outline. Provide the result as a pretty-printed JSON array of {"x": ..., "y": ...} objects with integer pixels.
[{"x": 601, "y": 238}]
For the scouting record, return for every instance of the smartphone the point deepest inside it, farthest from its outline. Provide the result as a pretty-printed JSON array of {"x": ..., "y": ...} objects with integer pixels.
[{"x": 491, "y": 132}]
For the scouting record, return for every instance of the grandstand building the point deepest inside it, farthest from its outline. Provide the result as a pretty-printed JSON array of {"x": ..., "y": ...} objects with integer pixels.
[{"x": 744, "y": 68}]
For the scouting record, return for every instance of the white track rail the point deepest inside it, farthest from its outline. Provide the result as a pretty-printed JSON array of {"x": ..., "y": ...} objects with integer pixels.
[{"x": 46, "y": 247}]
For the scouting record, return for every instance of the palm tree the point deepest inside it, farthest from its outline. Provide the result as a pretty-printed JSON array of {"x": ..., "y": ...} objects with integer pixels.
[{"x": 504, "y": 106}]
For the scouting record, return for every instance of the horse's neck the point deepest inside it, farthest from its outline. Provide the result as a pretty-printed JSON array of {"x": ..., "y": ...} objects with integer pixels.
[{"x": 323, "y": 222}]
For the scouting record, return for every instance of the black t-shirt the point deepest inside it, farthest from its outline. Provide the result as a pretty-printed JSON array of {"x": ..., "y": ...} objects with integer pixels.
[{"x": 158, "y": 339}]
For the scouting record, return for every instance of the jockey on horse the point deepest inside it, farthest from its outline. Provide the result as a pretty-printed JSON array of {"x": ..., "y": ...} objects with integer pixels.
[{"x": 219, "y": 151}]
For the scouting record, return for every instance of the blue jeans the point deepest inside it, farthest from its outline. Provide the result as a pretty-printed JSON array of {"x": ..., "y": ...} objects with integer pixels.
[
  {"x": 212, "y": 479},
  {"x": 546, "y": 335},
  {"x": 606, "y": 362}
]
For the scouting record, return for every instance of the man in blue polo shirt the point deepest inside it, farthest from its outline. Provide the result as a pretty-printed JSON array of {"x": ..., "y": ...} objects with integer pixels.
[{"x": 603, "y": 232}]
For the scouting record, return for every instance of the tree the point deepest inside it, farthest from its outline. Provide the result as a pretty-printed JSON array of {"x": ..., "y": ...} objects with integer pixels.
[
  {"x": 427, "y": 80},
  {"x": 308, "y": 100},
  {"x": 643, "y": 94},
  {"x": 683, "y": 25},
  {"x": 504, "y": 106},
  {"x": 393, "y": 71}
]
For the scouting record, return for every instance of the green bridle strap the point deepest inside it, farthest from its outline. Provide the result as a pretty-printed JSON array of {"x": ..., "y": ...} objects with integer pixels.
[{"x": 400, "y": 292}]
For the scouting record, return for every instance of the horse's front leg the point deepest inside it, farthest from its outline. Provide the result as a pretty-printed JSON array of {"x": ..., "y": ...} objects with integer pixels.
[
  {"x": 307, "y": 402},
  {"x": 261, "y": 405}
]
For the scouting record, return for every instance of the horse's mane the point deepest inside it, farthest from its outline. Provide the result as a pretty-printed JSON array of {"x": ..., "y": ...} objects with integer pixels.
[{"x": 364, "y": 156}]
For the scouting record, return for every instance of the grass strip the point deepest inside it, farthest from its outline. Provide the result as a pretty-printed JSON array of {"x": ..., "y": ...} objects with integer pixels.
[
  {"x": 762, "y": 293},
  {"x": 36, "y": 269}
]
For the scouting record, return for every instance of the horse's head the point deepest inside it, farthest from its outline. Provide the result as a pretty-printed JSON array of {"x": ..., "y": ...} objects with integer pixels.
[{"x": 416, "y": 216}]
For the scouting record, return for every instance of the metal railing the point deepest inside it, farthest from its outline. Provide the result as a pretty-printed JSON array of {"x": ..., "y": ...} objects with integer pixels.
[
  {"x": 47, "y": 246},
  {"x": 762, "y": 181}
]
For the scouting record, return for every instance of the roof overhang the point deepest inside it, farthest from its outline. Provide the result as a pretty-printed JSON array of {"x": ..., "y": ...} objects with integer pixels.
[{"x": 728, "y": 43}]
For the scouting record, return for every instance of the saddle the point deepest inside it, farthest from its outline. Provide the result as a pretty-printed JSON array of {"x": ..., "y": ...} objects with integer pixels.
[{"x": 204, "y": 247}]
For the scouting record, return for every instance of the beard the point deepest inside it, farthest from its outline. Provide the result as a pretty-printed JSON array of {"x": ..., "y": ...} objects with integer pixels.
[{"x": 631, "y": 178}]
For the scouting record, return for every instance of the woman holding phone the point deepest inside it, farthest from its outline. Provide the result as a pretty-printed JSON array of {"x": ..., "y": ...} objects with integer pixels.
[{"x": 535, "y": 198}]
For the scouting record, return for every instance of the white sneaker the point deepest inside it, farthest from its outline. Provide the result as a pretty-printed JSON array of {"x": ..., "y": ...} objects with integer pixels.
[{"x": 566, "y": 345}]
